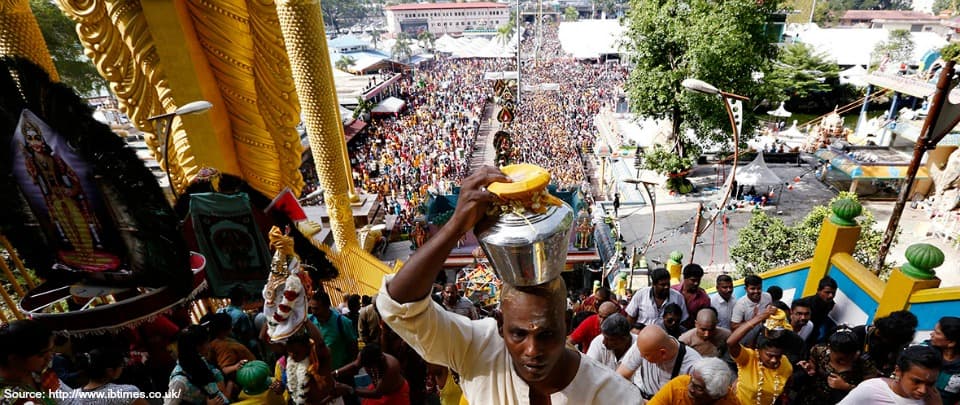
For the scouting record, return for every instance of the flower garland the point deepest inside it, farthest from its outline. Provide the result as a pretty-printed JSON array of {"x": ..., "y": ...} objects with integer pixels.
[
  {"x": 298, "y": 379},
  {"x": 760, "y": 381}
]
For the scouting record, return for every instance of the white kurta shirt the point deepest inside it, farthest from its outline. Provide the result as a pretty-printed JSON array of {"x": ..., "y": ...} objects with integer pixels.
[
  {"x": 724, "y": 309},
  {"x": 476, "y": 351},
  {"x": 644, "y": 307},
  {"x": 599, "y": 352}
]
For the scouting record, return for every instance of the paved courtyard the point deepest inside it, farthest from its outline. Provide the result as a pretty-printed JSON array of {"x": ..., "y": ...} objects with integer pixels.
[{"x": 675, "y": 214}]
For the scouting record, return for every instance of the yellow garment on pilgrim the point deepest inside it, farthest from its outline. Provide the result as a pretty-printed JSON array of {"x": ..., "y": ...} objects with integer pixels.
[{"x": 748, "y": 378}]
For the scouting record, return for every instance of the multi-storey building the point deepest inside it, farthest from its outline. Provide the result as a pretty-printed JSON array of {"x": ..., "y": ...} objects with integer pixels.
[{"x": 446, "y": 18}]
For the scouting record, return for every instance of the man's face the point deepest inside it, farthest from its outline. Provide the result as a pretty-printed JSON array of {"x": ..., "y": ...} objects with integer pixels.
[
  {"x": 533, "y": 335},
  {"x": 770, "y": 357},
  {"x": 670, "y": 321},
  {"x": 917, "y": 382},
  {"x": 827, "y": 293},
  {"x": 617, "y": 344},
  {"x": 691, "y": 284},
  {"x": 706, "y": 330},
  {"x": 753, "y": 292},
  {"x": 661, "y": 289},
  {"x": 450, "y": 294},
  {"x": 799, "y": 317},
  {"x": 725, "y": 289},
  {"x": 697, "y": 389}
]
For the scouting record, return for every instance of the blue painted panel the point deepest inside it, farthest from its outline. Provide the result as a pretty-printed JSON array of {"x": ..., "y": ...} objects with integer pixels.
[
  {"x": 928, "y": 313},
  {"x": 853, "y": 303}
]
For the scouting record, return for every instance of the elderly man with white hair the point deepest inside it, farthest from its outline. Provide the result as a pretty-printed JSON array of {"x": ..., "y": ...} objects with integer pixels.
[{"x": 709, "y": 382}]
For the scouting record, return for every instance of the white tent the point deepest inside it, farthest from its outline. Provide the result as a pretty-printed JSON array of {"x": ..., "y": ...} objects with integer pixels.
[
  {"x": 854, "y": 76},
  {"x": 780, "y": 112},
  {"x": 757, "y": 174},
  {"x": 391, "y": 105}
]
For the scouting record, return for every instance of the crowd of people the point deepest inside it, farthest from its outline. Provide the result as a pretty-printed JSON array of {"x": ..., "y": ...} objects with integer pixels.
[
  {"x": 554, "y": 125},
  {"x": 426, "y": 149},
  {"x": 763, "y": 351}
]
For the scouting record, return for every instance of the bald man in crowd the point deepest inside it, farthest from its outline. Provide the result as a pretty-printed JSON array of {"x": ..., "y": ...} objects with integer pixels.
[
  {"x": 656, "y": 359},
  {"x": 590, "y": 327},
  {"x": 707, "y": 338}
]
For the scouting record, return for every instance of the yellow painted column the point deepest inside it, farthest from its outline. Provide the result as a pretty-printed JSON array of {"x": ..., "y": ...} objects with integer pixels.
[
  {"x": 915, "y": 275},
  {"x": 301, "y": 23},
  {"x": 205, "y": 139},
  {"x": 20, "y": 36},
  {"x": 838, "y": 234}
]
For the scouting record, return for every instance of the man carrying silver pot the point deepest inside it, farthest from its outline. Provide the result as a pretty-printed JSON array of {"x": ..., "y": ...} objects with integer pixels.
[{"x": 518, "y": 359}]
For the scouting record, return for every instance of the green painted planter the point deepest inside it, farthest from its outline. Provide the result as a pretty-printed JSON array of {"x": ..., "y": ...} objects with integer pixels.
[
  {"x": 922, "y": 258},
  {"x": 676, "y": 257},
  {"x": 845, "y": 212}
]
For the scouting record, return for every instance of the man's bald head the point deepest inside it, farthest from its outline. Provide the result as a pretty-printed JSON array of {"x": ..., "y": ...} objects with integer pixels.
[
  {"x": 655, "y": 345},
  {"x": 707, "y": 317},
  {"x": 706, "y": 323},
  {"x": 606, "y": 309},
  {"x": 555, "y": 292}
]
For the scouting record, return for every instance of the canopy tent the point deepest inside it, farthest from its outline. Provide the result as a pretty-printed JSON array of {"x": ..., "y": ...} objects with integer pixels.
[
  {"x": 780, "y": 112},
  {"x": 757, "y": 174},
  {"x": 854, "y": 76},
  {"x": 390, "y": 105}
]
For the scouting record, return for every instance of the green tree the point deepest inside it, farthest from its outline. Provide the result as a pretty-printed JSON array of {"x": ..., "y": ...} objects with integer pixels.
[
  {"x": 571, "y": 14},
  {"x": 767, "y": 242},
  {"x": 802, "y": 72},
  {"x": 943, "y": 5},
  {"x": 342, "y": 12},
  {"x": 375, "y": 36},
  {"x": 426, "y": 40},
  {"x": 505, "y": 32},
  {"x": 60, "y": 34},
  {"x": 401, "y": 49},
  {"x": 722, "y": 43},
  {"x": 897, "y": 48},
  {"x": 344, "y": 63}
]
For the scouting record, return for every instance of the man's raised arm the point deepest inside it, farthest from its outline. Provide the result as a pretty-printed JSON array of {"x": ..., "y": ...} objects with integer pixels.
[{"x": 415, "y": 279}]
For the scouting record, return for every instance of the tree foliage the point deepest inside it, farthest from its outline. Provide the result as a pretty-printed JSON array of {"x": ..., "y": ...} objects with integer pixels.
[
  {"x": 767, "y": 242},
  {"x": 571, "y": 14},
  {"x": 344, "y": 63},
  {"x": 807, "y": 80},
  {"x": 337, "y": 13},
  {"x": 60, "y": 34},
  {"x": 897, "y": 48},
  {"x": 401, "y": 49},
  {"x": 721, "y": 43}
]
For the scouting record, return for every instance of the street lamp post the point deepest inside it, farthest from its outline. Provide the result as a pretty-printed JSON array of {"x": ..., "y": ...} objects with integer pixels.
[
  {"x": 703, "y": 87},
  {"x": 163, "y": 125}
]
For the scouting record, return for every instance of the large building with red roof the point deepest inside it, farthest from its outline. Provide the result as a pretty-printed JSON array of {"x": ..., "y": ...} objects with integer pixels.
[{"x": 446, "y": 18}]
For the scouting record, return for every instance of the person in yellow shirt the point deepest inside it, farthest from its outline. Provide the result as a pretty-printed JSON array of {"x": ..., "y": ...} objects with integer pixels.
[
  {"x": 762, "y": 373},
  {"x": 708, "y": 383}
]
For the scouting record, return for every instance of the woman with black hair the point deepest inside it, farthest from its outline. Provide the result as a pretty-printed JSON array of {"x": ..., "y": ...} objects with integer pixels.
[
  {"x": 196, "y": 380},
  {"x": 762, "y": 373},
  {"x": 884, "y": 341},
  {"x": 946, "y": 338},
  {"x": 26, "y": 350},
  {"x": 102, "y": 367},
  {"x": 835, "y": 368},
  {"x": 915, "y": 377}
]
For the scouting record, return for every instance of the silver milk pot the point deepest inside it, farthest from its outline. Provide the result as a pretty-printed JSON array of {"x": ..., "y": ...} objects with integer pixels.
[{"x": 529, "y": 249}]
